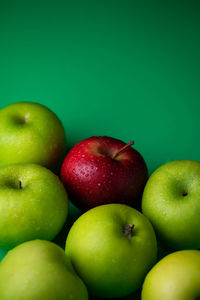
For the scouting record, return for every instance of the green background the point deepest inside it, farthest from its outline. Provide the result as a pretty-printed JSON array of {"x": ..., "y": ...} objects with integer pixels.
[{"x": 127, "y": 69}]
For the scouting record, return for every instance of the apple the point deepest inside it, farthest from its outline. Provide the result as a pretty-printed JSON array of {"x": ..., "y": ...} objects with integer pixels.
[
  {"x": 112, "y": 247},
  {"x": 171, "y": 201},
  {"x": 30, "y": 133},
  {"x": 39, "y": 270},
  {"x": 33, "y": 204},
  {"x": 175, "y": 277},
  {"x": 103, "y": 170}
]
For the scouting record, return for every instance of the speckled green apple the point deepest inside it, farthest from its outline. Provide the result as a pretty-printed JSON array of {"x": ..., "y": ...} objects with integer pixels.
[
  {"x": 175, "y": 277},
  {"x": 38, "y": 270},
  {"x": 33, "y": 204},
  {"x": 30, "y": 133},
  {"x": 112, "y": 247},
  {"x": 171, "y": 202}
]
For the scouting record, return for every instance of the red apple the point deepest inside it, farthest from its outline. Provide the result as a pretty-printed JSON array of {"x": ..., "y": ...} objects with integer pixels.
[{"x": 102, "y": 170}]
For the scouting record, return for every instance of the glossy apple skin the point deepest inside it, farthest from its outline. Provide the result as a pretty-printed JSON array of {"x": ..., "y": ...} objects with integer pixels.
[
  {"x": 92, "y": 177},
  {"x": 39, "y": 270},
  {"x": 171, "y": 201},
  {"x": 110, "y": 263},
  {"x": 30, "y": 133},
  {"x": 37, "y": 210},
  {"x": 175, "y": 277}
]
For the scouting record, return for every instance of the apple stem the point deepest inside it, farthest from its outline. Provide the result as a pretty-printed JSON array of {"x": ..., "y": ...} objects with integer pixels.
[
  {"x": 122, "y": 149},
  {"x": 128, "y": 230},
  {"x": 20, "y": 184}
]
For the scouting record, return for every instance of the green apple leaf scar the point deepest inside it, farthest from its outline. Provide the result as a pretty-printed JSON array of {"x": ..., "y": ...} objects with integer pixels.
[{"x": 128, "y": 230}]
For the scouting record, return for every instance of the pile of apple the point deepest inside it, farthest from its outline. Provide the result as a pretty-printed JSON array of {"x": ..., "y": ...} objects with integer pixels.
[{"x": 111, "y": 249}]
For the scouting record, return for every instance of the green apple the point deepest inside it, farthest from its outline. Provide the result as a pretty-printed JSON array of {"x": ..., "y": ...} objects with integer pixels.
[
  {"x": 112, "y": 247},
  {"x": 175, "y": 277},
  {"x": 171, "y": 201},
  {"x": 33, "y": 204},
  {"x": 30, "y": 133},
  {"x": 39, "y": 270}
]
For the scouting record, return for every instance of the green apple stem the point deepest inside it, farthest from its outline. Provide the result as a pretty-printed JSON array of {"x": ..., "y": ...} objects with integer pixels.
[
  {"x": 128, "y": 230},
  {"x": 20, "y": 184},
  {"x": 122, "y": 149}
]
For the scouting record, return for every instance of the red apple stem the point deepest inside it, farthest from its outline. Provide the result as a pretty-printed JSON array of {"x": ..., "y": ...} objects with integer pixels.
[
  {"x": 128, "y": 230},
  {"x": 20, "y": 184},
  {"x": 122, "y": 149}
]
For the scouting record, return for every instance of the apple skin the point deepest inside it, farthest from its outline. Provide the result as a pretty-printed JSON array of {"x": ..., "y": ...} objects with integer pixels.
[
  {"x": 92, "y": 177},
  {"x": 175, "y": 277},
  {"x": 111, "y": 263},
  {"x": 38, "y": 270},
  {"x": 30, "y": 133},
  {"x": 36, "y": 210},
  {"x": 171, "y": 202}
]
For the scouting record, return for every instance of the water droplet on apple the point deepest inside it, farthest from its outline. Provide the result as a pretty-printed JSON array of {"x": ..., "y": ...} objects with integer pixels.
[{"x": 98, "y": 184}]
